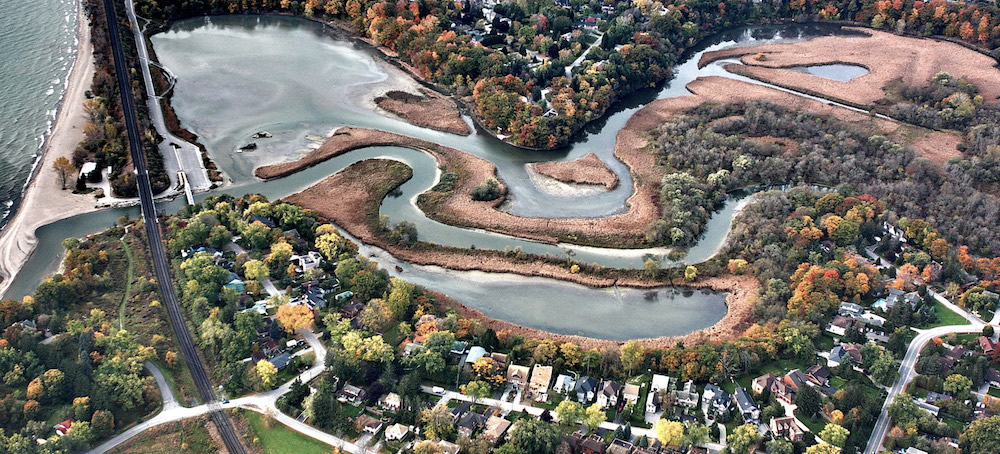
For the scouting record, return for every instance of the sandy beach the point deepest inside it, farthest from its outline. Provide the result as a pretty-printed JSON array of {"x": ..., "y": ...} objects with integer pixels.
[{"x": 44, "y": 201}]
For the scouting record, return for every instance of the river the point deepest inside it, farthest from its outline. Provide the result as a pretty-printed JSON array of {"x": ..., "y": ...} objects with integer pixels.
[{"x": 241, "y": 74}]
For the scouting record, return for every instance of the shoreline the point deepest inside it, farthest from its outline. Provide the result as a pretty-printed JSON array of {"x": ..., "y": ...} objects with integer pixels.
[{"x": 43, "y": 197}]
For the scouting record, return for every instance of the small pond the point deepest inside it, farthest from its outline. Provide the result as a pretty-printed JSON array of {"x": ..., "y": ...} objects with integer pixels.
[{"x": 839, "y": 72}]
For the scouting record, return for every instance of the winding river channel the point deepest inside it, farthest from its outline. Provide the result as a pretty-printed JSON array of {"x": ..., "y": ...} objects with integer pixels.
[{"x": 237, "y": 75}]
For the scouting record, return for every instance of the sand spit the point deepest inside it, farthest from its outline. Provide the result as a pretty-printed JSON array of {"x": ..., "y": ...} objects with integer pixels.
[
  {"x": 44, "y": 199},
  {"x": 586, "y": 170},
  {"x": 428, "y": 110},
  {"x": 914, "y": 60}
]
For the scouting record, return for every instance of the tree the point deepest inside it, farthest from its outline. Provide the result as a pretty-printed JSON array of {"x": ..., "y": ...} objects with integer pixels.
[
  {"x": 808, "y": 400},
  {"x": 690, "y": 273},
  {"x": 696, "y": 434},
  {"x": 743, "y": 439},
  {"x": 779, "y": 446},
  {"x": 670, "y": 433},
  {"x": 437, "y": 422},
  {"x": 64, "y": 169},
  {"x": 593, "y": 417},
  {"x": 532, "y": 436},
  {"x": 477, "y": 390},
  {"x": 632, "y": 354},
  {"x": 823, "y": 448},
  {"x": 835, "y": 435},
  {"x": 256, "y": 270},
  {"x": 376, "y": 315},
  {"x": 267, "y": 373},
  {"x": 982, "y": 436},
  {"x": 569, "y": 412},
  {"x": 958, "y": 385},
  {"x": 295, "y": 317},
  {"x": 103, "y": 423}
]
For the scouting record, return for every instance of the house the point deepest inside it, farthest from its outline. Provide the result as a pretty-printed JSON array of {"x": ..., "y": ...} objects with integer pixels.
[
  {"x": 499, "y": 358},
  {"x": 619, "y": 446},
  {"x": 607, "y": 396},
  {"x": 687, "y": 396},
  {"x": 586, "y": 389},
  {"x": 992, "y": 377},
  {"x": 786, "y": 427},
  {"x": 957, "y": 353},
  {"x": 715, "y": 400},
  {"x": 658, "y": 384},
  {"x": 281, "y": 361},
  {"x": 261, "y": 219},
  {"x": 746, "y": 405},
  {"x": 459, "y": 347},
  {"x": 989, "y": 347},
  {"x": 495, "y": 428},
  {"x": 877, "y": 337},
  {"x": 470, "y": 423},
  {"x": 912, "y": 450},
  {"x": 233, "y": 282},
  {"x": 460, "y": 410},
  {"x": 631, "y": 393},
  {"x": 370, "y": 425},
  {"x": 86, "y": 169},
  {"x": 593, "y": 445},
  {"x": 840, "y": 325},
  {"x": 475, "y": 353},
  {"x": 396, "y": 432},
  {"x": 795, "y": 378},
  {"x": 28, "y": 324},
  {"x": 259, "y": 307},
  {"x": 268, "y": 346},
  {"x": 306, "y": 262},
  {"x": 391, "y": 402},
  {"x": 871, "y": 318},
  {"x": 564, "y": 384},
  {"x": 849, "y": 310},
  {"x": 761, "y": 383},
  {"x": 63, "y": 427},
  {"x": 783, "y": 392},
  {"x": 936, "y": 397},
  {"x": 541, "y": 378},
  {"x": 448, "y": 447},
  {"x": 352, "y": 393},
  {"x": 295, "y": 239},
  {"x": 351, "y": 310},
  {"x": 517, "y": 375},
  {"x": 930, "y": 408},
  {"x": 819, "y": 375},
  {"x": 315, "y": 296},
  {"x": 344, "y": 296}
]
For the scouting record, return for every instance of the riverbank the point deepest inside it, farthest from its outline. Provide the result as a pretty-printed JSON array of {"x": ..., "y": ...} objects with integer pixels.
[
  {"x": 427, "y": 110},
  {"x": 44, "y": 199},
  {"x": 588, "y": 170},
  {"x": 915, "y": 61},
  {"x": 365, "y": 183}
]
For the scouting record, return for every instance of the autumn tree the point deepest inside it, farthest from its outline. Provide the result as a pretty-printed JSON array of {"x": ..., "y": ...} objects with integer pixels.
[
  {"x": 256, "y": 270},
  {"x": 823, "y": 448},
  {"x": 569, "y": 412},
  {"x": 982, "y": 436},
  {"x": 477, "y": 390},
  {"x": 632, "y": 354},
  {"x": 437, "y": 422},
  {"x": 670, "y": 433},
  {"x": 593, "y": 417},
  {"x": 744, "y": 439},
  {"x": 294, "y": 317},
  {"x": 267, "y": 373},
  {"x": 64, "y": 169}
]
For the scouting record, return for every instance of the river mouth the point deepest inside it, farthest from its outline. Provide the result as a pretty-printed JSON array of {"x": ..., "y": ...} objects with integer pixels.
[{"x": 839, "y": 72}]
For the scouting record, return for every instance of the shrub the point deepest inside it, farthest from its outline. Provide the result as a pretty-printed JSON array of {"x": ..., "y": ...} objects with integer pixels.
[{"x": 487, "y": 191}]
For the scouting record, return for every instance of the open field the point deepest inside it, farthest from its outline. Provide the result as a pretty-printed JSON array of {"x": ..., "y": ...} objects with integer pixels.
[{"x": 194, "y": 435}]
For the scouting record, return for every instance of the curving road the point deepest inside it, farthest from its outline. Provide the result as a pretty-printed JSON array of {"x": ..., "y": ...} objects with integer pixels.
[{"x": 906, "y": 368}]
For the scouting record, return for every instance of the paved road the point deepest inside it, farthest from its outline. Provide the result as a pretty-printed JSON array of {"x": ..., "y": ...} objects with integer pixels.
[
  {"x": 185, "y": 156},
  {"x": 157, "y": 252},
  {"x": 906, "y": 368}
]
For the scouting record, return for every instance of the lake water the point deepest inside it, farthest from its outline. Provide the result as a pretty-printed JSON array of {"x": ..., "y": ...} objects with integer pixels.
[
  {"x": 241, "y": 74},
  {"x": 37, "y": 48},
  {"x": 838, "y": 72}
]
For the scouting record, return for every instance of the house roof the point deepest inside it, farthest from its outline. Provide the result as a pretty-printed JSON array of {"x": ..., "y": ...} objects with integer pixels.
[
  {"x": 281, "y": 360},
  {"x": 541, "y": 376},
  {"x": 819, "y": 371},
  {"x": 795, "y": 379},
  {"x": 764, "y": 381},
  {"x": 659, "y": 382},
  {"x": 743, "y": 400},
  {"x": 992, "y": 375},
  {"x": 610, "y": 388},
  {"x": 518, "y": 373},
  {"x": 586, "y": 384},
  {"x": 630, "y": 390},
  {"x": 471, "y": 420},
  {"x": 475, "y": 353},
  {"x": 496, "y": 427},
  {"x": 397, "y": 431}
]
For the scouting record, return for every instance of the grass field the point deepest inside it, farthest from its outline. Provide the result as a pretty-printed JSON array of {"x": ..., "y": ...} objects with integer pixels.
[
  {"x": 277, "y": 438},
  {"x": 946, "y": 317},
  {"x": 189, "y": 436}
]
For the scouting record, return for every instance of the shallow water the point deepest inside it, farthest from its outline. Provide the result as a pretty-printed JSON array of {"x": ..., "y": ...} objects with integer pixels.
[
  {"x": 243, "y": 74},
  {"x": 838, "y": 72}
]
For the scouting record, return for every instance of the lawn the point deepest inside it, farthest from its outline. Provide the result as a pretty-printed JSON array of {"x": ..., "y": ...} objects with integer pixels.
[
  {"x": 278, "y": 438},
  {"x": 946, "y": 317},
  {"x": 814, "y": 426},
  {"x": 995, "y": 392}
]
